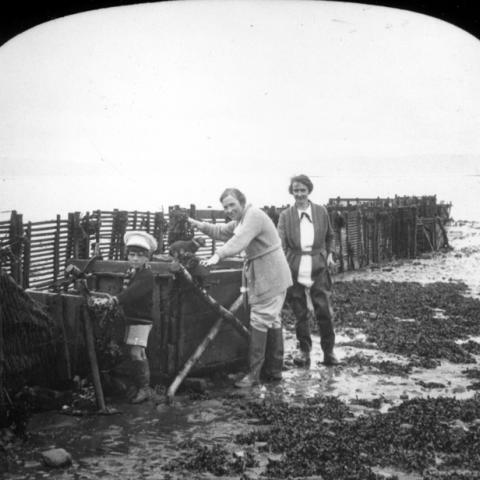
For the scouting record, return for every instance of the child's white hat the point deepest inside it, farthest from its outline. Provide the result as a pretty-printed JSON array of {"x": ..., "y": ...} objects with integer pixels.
[{"x": 140, "y": 239}]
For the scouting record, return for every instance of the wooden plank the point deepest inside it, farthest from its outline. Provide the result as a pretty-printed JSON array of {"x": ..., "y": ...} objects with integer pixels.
[
  {"x": 56, "y": 308},
  {"x": 43, "y": 262},
  {"x": 49, "y": 228},
  {"x": 167, "y": 296},
  {"x": 159, "y": 268},
  {"x": 46, "y": 222},
  {"x": 155, "y": 337},
  {"x": 41, "y": 254}
]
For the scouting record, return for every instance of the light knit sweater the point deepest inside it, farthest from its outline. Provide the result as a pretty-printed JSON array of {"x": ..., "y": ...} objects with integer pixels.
[{"x": 267, "y": 271}]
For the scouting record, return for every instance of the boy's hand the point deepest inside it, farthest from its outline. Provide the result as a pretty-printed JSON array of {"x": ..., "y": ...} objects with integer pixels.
[{"x": 102, "y": 299}]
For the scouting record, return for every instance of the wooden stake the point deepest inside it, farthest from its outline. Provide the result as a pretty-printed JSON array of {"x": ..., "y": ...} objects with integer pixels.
[{"x": 92, "y": 356}]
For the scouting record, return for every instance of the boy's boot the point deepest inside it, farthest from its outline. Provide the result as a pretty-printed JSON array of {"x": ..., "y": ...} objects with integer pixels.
[
  {"x": 256, "y": 357},
  {"x": 272, "y": 369},
  {"x": 142, "y": 379}
]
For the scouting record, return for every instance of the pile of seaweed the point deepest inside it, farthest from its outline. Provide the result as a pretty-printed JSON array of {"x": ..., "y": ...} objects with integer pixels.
[
  {"x": 436, "y": 437},
  {"x": 216, "y": 459},
  {"x": 422, "y": 322},
  {"x": 28, "y": 347}
]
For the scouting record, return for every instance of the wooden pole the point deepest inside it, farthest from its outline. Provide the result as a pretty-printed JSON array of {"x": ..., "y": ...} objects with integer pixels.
[
  {"x": 92, "y": 356},
  {"x": 444, "y": 232},
  {"x": 199, "y": 351},
  {"x": 77, "y": 238},
  {"x": 56, "y": 251},
  {"x": 15, "y": 239},
  {"x": 220, "y": 309},
  {"x": 135, "y": 215},
  {"x": 70, "y": 231},
  {"x": 26, "y": 256}
]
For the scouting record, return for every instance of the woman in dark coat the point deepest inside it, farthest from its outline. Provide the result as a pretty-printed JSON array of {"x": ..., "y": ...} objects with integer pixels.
[{"x": 308, "y": 242}]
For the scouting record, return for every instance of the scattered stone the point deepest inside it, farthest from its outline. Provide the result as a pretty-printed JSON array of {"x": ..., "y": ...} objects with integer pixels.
[
  {"x": 430, "y": 384},
  {"x": 56, "y": 457},
  {"x": 274, "y": 458},
  {"x": 263, "y": 445},
  {"x": 198, "y": 385}
]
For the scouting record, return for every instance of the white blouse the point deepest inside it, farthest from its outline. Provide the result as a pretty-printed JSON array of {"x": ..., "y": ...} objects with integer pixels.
[{"x": 306, "y": 241}]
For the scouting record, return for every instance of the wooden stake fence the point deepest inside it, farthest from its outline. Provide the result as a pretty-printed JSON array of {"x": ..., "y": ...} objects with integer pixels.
[{"x": 372, "y": 230}]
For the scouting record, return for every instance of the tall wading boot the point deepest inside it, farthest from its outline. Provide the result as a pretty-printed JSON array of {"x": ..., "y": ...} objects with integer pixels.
[
  {"x": 142, "y": 380},
  {"x": 273, "y": 366},
  {"x": 256, "y": 357},
  {"x": 329, "y": 359},
  {"x": 302, "y": 359}
]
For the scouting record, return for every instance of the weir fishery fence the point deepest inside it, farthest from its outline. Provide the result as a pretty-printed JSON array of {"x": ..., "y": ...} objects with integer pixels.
[{"x": 367, "y": 231}]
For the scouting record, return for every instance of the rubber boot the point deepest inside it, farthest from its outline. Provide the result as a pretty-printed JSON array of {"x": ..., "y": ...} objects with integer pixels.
[
  {"x": 256, "y": 357},
  {"x": 329, "y": 359},
  {"x": 273, "y": 366},
  {"x": 142, "y": 379},
  {"x": 302, "y": 359}
]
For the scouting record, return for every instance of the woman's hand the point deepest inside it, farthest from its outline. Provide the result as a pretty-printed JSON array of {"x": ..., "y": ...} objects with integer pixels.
[
  {"x": 213, "y": 260},
  {"x": 193, "y": 222}
]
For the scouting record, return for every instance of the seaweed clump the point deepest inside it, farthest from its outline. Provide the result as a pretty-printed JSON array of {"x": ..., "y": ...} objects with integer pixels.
[
  {"x": 380, "y": 310},
  {"x": 215, "y": 459},
  {"x": 322, "y": 437}
]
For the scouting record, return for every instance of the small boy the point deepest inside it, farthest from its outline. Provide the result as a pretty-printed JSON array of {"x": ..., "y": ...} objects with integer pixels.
[{"x": 136, "y": 301}]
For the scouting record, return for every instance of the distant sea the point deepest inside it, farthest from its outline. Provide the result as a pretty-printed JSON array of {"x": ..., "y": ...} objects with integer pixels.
[{"x": 42, "y": 197}]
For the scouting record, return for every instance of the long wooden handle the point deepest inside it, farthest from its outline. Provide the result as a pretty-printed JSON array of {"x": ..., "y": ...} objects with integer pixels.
[
  {"x": 220, "y": 309},
  {"x": 92, "y": 356}
]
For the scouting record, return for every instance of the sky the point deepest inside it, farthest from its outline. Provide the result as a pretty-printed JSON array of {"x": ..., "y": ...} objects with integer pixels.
[{"x": 146, "y": 106}]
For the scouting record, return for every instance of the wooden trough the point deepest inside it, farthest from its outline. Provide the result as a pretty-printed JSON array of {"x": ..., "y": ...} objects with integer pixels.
[{"x": 181, "y": 319}]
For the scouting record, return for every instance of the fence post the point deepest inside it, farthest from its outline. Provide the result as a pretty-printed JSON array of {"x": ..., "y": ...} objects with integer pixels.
[
  {"x": 16, "y": 239},
  {"x": 113, "y": 236},
  {"x": 26, "y": 256},
  {"x": 414, "y": 233},
  {"x": 159, "y": 230},
  {"x": 77, "y": 235},
  {"x": 56, "y": 251},
  {"x": 147, "y": 226},
  {"x": 98, "y": 226},
  {"x": 135, "y": 215},
  {"x": 70, "y": 231}
]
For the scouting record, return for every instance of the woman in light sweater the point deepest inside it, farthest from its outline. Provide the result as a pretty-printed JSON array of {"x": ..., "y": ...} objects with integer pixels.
[{"x": 267, "y": 277}]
